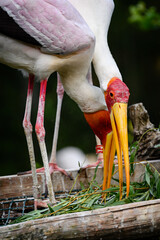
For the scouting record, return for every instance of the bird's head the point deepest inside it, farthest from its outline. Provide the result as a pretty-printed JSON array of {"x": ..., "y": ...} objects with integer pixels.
[
  {"x": 117, "y": 92},
  {"x": 111, "y": 127},
  {"x": 116, "y": 97}
]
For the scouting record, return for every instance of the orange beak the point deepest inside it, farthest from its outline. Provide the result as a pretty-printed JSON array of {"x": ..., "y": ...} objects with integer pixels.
[{"x": 117, "y": 140}]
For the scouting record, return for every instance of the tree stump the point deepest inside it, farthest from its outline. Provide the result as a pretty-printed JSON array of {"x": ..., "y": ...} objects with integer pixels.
[{"x": 144, "y": 132}]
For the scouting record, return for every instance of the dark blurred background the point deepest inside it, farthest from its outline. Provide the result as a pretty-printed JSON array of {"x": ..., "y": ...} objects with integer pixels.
[{"x": 135, "y": 45}]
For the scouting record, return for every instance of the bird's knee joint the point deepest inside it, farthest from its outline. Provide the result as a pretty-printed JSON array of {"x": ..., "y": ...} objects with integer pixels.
[
  {"x": 40, "y": 132},
  {"x": 27, "y": 126}
]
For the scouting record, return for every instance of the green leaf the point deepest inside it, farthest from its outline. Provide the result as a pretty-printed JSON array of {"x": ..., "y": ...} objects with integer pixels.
[
  {"x": 115, "y": 179},
  {"x": 151, "y": 190},
  {"x": 112, "y": 189},
  {"x": 121, "y": 202},
  {"x": 149, "y": 169},
  {"x": 82, "y": 185},
  {"x": 50, "y": 208},
  {"x": 156, "y": 175},
  {"x": 131, "y": 191},
  {"x": 91, "y": 201},
  {"x": 157, "y": 145},
  {"x": 95, "y": 173},
  {"x": 143, "y": 197},
  {"x": 110, "y": 201},
  {"x": 91, "y": 197},
  {"x": 147, "y": 176},
  {"x": 144, "y": 18},
  {"x": 133, "y": 150},
  {"x": 113, "y": 169},
  {"x": 158, "y": 189},
  {"x": 147, "y": 196}
]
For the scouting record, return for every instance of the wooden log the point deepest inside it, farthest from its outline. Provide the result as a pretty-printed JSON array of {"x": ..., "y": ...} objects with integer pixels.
[
  {"x": 149, "y": 146},
  {"x": 131, "y": 221},
  {"x": 17, "y": 186}
]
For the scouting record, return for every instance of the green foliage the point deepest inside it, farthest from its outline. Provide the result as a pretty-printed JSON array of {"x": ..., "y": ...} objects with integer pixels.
[
  {"x": 95, "y": 198},
  {"x": 133, "y": 150},
  {"x": 144, "y": 18}
]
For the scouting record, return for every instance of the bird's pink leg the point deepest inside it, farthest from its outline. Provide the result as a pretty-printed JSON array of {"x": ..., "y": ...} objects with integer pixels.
[
  {"x": 40, "y": 131},
  {"x": 52, "y": 163},
  {"x": 28, "y": 132},
  {"x": 60, "y": 93}
]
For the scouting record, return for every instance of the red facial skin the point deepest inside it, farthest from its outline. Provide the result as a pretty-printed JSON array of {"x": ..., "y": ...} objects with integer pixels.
[
  {"x": 117, "y": 91},
  {"x": 100, "y": 122}
]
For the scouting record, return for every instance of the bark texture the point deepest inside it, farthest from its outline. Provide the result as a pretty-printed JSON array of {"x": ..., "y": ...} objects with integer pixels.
[{"x": 144, "y": 130}]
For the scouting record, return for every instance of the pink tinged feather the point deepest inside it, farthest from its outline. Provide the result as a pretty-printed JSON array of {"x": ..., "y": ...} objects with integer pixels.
[{"x": 56, "y": 24}]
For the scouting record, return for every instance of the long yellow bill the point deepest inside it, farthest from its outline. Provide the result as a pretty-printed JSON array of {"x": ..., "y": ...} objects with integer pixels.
[
  {"x": 118, "y": 118},
  {"x": 108, "y": 156}
]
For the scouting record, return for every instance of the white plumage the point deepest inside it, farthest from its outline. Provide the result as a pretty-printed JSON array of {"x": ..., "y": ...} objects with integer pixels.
[{"x": 65, "y": 44}]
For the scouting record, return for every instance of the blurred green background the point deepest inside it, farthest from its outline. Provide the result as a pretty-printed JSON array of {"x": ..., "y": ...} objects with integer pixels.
[{"x": 135, "y": 45}]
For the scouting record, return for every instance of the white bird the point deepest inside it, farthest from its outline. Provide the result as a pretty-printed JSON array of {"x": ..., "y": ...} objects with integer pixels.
[
  {"x": 97, "y": 14},
  {"x": 73, "y": 158},
  {"x": 44, "y": 36},
  {"x": 53, "y": 158}
]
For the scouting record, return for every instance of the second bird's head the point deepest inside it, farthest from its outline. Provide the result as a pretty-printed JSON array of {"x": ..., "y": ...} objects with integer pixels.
[{"x": 114, "y": 120}]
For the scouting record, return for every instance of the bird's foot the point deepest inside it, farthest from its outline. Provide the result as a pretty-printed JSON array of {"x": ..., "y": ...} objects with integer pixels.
[
  {"x": 52, "y": 168},
  {"x": 39, "y": 203},
  {"x": 99, "y": 162},
  {"x": 116, "y": 160}
]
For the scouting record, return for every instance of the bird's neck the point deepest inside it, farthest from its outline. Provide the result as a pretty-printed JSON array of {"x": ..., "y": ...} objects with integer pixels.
[
  {"x": 104, "y": 64},
  {"x": 88, "y": 97},
  {"x": 73, "y": 73},
  {"x": 98, "y": 14}
]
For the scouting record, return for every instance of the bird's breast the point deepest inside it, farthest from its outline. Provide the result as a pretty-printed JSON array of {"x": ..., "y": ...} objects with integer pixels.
[{"x": 18, "y": 55}]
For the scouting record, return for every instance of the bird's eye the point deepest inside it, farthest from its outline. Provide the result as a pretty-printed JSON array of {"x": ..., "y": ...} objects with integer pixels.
[{"x": 111, "y": 94}]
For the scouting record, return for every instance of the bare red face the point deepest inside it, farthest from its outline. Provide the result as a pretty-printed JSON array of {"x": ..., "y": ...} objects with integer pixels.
[{"x": 117, "y": 91}]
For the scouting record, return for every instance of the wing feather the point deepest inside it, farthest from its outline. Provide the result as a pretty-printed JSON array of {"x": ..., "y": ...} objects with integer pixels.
[{"x": 55, "y": 24}]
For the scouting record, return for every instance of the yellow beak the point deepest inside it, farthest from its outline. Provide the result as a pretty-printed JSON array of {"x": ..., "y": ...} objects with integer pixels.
[
  {"x": 118, "y": 139},
  {"x": 108, "y": 156}
]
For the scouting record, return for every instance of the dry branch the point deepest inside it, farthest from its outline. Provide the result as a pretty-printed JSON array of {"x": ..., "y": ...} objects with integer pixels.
[
  {"x": 143, "y": 129},
  {"x": 120, "y": 222}
]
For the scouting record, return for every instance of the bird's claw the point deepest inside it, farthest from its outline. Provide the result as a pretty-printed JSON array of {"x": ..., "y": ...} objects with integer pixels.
[
  {"x": 52, "y": 167},
  {"x": 39, "y": 203},
  {"x": 99, "y": 162}
]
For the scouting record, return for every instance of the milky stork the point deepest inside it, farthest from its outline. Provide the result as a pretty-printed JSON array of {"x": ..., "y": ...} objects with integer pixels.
[
  {"x": 97, "y": 14},
  {"x": 45, "y": 36}
]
